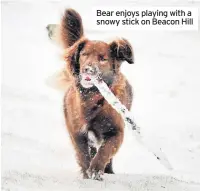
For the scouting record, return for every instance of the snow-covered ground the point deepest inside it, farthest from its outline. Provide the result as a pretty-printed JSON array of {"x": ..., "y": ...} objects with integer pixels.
[{"x": 36, "y": 150}]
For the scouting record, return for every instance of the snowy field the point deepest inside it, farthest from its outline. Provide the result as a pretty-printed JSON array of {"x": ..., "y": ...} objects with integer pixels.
[{"x": 36, "y": 150}]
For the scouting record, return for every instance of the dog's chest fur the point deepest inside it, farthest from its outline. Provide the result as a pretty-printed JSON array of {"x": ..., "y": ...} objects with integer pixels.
[{"x": 99, "y": 123}]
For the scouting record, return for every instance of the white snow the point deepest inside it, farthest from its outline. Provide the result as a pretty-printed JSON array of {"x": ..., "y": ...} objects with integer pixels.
[{"x": 36, "y": 150}]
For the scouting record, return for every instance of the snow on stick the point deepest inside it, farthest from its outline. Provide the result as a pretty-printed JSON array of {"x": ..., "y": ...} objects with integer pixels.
[{"x": 129, "y": 122}]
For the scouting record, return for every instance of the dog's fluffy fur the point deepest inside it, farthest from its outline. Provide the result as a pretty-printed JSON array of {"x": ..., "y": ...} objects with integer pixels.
[{"x": 86, "y": 112}]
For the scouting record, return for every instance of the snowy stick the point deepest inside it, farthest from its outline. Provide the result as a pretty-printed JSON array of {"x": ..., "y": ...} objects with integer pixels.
[{"x": 129, "y": 122}]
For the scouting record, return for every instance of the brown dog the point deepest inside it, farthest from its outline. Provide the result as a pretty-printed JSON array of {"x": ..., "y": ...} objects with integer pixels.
[{"x": 95, "y": 128}]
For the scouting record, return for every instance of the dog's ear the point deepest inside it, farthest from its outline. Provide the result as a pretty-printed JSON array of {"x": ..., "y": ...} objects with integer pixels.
[
  {"x": 71, "y": 28},
  {"x": 121, "y": 50}
]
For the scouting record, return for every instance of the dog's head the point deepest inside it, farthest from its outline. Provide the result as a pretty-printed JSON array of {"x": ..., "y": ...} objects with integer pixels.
[{"x": 87, "y": 58}]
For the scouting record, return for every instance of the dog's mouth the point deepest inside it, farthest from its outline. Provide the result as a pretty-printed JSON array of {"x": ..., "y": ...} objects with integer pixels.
[
  {"x": 88, "y": 75},
  {"x": 86, "y": 80}
]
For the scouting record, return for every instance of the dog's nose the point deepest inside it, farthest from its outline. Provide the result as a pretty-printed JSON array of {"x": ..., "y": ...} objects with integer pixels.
[{"x": 89, "y": 70}]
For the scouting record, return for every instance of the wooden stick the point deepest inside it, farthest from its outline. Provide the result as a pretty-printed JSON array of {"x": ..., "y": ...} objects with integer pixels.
[{"x": 129, "y": 121}]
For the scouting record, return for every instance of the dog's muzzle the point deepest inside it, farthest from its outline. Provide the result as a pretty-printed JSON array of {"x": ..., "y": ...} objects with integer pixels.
[{"x": 87, "y": 74}]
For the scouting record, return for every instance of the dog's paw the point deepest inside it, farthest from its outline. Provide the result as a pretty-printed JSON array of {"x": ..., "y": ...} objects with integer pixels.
[
  {"x": 96, "y": 169},
  {"x": 95, "y": 174},
  {"x": 85, "y": 175}
]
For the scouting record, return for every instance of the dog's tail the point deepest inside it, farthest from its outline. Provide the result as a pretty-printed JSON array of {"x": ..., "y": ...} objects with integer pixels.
[{"x": 71, "y": 28}]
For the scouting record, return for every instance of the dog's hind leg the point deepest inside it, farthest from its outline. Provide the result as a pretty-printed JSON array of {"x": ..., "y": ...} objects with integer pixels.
[{"x": 109, "y": 168}]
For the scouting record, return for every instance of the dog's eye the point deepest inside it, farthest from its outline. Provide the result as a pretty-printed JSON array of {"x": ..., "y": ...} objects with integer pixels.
[
  {"x": 84, "y": 54},
  {"x": 102, "y": 58}
]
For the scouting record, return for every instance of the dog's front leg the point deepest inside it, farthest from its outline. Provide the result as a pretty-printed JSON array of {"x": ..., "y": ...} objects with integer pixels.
[
  {"x": 80, "y": 142},
  {"x": 104, "y": 155}
]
